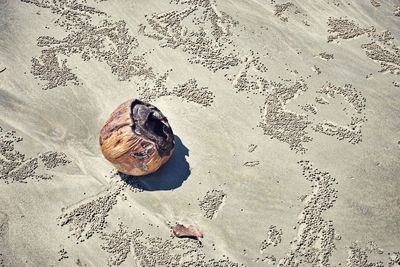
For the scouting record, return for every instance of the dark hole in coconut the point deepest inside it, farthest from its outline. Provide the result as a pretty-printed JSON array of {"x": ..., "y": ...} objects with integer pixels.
[
  {"x": 155, "y": 126},
  {"x": 148, "y": 122}
]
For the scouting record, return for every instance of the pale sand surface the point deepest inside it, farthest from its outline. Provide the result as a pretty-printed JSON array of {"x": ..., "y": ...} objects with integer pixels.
[{"x": 286, "y": 116}]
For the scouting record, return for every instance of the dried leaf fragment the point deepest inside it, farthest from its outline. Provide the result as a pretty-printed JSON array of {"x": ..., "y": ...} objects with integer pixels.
[{"x": 188, "y": 231}]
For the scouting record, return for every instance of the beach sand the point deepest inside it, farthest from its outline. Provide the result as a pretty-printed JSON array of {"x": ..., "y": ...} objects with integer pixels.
[{"x": 286, "y": 122}]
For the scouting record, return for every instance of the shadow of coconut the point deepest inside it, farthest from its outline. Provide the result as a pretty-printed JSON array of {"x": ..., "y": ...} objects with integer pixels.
[{"x": 168, "y": 177}]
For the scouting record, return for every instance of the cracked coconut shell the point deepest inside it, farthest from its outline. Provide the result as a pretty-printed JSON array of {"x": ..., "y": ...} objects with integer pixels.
[{"x": 137, "y": 138}]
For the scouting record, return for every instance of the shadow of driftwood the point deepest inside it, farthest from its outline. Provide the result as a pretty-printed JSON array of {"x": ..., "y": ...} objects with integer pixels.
[{"x": 168, "y": 177}]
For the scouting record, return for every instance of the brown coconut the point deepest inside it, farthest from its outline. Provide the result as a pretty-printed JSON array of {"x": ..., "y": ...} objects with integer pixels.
[{"x": 137, "y": 138}]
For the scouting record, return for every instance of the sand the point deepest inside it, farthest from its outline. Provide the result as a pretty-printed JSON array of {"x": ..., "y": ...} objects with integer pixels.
[{"x": 286, "y": 122}]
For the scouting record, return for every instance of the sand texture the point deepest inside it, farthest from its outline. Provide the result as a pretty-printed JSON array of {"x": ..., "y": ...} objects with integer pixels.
[{"x": 286, "y": 116}]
